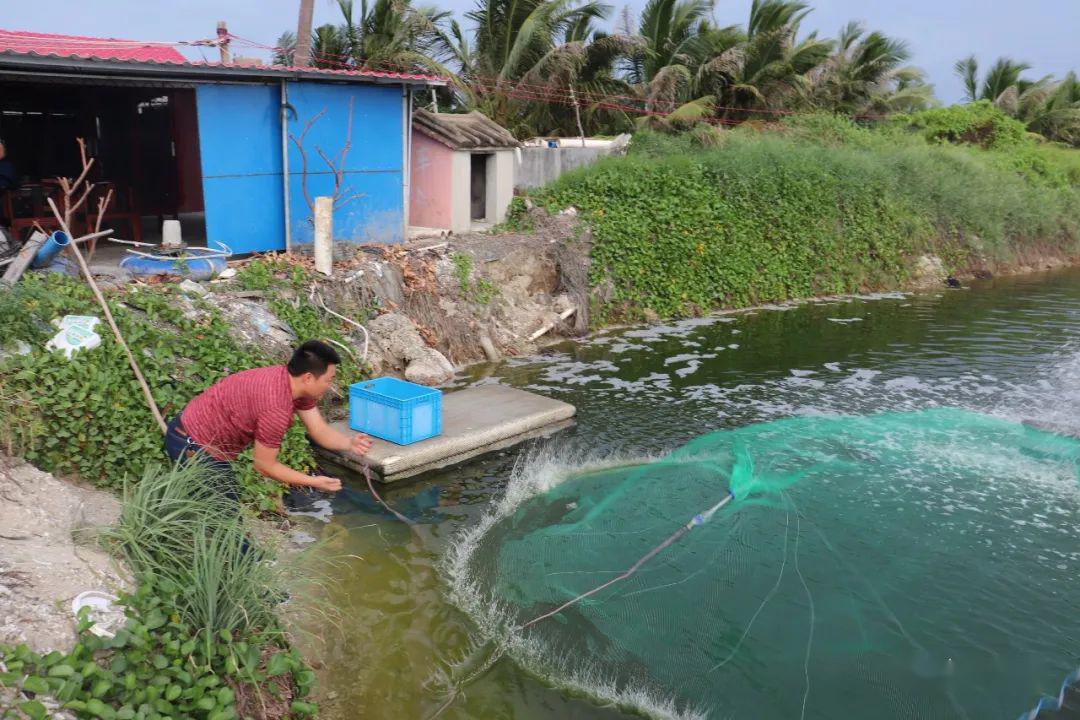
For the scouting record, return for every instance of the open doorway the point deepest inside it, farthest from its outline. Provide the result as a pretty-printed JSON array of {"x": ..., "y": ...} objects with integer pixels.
[
  {"x": 478, "y": 186},
  {"x": 144, "y": 142}
]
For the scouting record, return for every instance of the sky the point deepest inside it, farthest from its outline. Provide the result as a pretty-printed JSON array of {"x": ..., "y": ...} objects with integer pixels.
[{"x": 1042, "y": 33}]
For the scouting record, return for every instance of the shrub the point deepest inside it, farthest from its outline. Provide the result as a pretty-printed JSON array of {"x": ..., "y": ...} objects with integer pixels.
[{"x": 978, "y": 123}]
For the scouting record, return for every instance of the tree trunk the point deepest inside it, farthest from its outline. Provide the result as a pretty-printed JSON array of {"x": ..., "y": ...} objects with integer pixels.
[{"x": 302, "y": 53}]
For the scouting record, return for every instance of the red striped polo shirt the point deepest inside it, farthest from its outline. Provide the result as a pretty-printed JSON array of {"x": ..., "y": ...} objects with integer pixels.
[{"x": 242, "y": 408}]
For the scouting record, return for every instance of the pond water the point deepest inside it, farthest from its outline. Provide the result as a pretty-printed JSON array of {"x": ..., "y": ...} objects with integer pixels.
[{"x": 979, "y": 632}]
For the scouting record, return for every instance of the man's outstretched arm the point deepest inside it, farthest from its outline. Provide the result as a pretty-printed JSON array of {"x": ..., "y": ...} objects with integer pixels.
[
  {"x": 329, "y": 438},
  {"x": 266, "y": 463}
]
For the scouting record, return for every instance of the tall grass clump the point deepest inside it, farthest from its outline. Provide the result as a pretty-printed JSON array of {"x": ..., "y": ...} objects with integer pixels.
[
  {"x": 175, "y": 527},
  {"x": 814, "y": 206}
]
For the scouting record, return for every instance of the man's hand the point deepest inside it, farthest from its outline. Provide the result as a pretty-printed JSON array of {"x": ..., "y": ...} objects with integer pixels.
[
  {"x": 326, "y": 484},
  {"x": 359, "y": 444}
]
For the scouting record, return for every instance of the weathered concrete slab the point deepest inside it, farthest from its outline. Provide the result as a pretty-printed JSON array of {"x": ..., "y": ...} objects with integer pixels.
[{"x": 476, "y": 421}]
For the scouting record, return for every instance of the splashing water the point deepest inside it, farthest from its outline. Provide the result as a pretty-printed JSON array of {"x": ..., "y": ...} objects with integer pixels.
[{"x": 911, "y": 564}]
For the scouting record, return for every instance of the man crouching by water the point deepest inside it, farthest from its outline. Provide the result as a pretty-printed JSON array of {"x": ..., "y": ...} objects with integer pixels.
[{"x": 257, "y": 406}]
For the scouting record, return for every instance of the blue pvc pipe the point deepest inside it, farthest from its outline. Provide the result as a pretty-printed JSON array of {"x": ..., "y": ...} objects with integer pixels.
[{"x": 52, "y": 247}]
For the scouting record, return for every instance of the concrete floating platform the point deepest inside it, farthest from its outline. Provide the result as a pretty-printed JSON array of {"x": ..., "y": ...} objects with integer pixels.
[{"x": 476, "y": 421}]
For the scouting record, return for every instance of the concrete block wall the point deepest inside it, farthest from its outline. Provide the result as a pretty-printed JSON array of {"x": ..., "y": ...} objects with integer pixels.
[{"x": 543, "y": 165}]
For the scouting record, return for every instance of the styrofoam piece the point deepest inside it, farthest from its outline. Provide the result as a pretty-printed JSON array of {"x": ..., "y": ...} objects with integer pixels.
[{"x": 108, "y": 617}]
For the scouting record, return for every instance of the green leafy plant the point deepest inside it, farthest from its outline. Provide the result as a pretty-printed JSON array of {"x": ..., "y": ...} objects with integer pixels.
[
  {"x": 483, "y": 291},
  {"x": 820, "y": 207}
]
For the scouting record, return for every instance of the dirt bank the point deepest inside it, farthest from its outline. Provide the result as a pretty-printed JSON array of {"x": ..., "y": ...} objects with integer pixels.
[{"x": 47, "y": 555}]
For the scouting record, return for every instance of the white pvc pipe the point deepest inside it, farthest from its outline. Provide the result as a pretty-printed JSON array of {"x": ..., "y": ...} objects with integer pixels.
[
  {"x": 316, "y": 298},
  {"x": 324, "y": 235}
]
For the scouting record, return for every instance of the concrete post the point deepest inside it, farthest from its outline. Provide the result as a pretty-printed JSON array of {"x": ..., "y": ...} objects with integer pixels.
[{"x": 324, "y": 235}]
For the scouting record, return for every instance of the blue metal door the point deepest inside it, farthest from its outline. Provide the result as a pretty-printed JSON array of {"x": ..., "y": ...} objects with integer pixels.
[{"x": 240, "y": 144}]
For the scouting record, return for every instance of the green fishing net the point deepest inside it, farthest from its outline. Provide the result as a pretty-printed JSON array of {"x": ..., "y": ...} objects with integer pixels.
[{"x": 906, "y": 565}]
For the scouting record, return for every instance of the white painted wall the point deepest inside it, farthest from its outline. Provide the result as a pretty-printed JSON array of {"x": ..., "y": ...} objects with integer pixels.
[
  {"x": 501, "y": 167},
  {"x": 500, "y": 184},
  {"x": 460, "y": 222}
]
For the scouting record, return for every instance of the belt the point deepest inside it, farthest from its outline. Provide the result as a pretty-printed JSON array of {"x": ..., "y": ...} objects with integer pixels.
[{"x": 179, "y": 428}]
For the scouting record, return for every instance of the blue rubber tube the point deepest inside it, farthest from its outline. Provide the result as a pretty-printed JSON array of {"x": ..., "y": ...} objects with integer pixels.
[
  {"x": 52, "y": 247},
  {"x": 193, "y": 267}
]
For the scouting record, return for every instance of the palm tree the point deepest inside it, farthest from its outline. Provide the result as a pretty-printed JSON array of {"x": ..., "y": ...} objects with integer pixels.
[
  {"x": 514, "y": 41},
  {"x": 388, "y": 35},
  {"x": 582, "y": 72},
  {"x": 867, "y": 72},
  {"x": 776, "y": 65},
  {"x": 329, "y": 47},
  {"x": 302, "y": 51},
  {"x": 684, "y": 57},
  {"x": 1048, "y": 107},
  {"x": 1004, "y": 73}
]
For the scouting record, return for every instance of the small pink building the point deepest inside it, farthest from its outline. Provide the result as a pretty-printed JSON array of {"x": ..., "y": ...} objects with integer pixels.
[{"x": 462, "y": 171}]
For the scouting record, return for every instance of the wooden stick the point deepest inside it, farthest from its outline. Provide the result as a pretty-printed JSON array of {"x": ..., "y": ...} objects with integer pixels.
[
  {"x": 103, "y": 203},
  {"x": 112, "y": 323}
]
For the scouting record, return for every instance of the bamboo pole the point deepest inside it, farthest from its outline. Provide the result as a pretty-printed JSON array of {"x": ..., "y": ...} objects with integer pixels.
[{"x": 112, "y": 323}]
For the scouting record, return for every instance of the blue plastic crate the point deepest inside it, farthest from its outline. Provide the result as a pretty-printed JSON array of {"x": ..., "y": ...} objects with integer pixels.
[{"x": 395, "y": 410}]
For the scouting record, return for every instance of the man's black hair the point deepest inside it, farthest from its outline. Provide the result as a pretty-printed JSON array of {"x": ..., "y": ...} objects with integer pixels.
[{"x": 313, "y": 357}]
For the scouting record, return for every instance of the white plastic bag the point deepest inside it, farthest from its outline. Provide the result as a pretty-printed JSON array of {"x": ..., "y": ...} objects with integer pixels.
[{"x": 76, "y": 333}]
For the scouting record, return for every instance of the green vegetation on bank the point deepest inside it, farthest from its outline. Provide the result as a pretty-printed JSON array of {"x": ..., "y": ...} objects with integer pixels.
[
  {"x": 201, "y": 638},
  {"x": 816, "y": 205},
  {"x": 87, "y": 417}
]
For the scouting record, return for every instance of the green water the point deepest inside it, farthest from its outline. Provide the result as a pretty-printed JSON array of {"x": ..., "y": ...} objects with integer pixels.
[{"x": 1006, "y": 349}]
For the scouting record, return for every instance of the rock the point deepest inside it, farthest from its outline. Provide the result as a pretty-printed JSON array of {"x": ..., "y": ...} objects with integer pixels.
[
  {"x": 193, "y": 288},
  {"x": 929, "y": 272},
  {"x": 403, "y": 350},
  {"x": 431, "y": 368},
  {"x": 255, "y": 325},
  {"x": 384, "y": 281},
  {"x": 569, "y": 212},
  {"x": 45, "y": 569}
]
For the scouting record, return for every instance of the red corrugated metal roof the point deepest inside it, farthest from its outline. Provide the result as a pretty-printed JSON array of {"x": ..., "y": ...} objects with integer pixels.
[
  {"x": 135, "y": 51},
  {"x": 87, "y": 47}
]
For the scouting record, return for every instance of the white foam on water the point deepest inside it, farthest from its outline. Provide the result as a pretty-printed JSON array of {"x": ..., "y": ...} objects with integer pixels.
[
  {"x": 654, "y": 382},
  {"x": 845, "y": 321},
  {"x": 690, "y": 369},
  {"x": 689, "y": 356},
  {"x": 574, "y": 372},
  {"x": 622, "y": 347}
]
